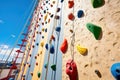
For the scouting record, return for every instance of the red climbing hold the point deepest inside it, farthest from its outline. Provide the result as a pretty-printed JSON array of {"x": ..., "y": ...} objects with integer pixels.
[
  {"x": 64, "y": 46},
  {"x": 52, "y": 38},
  {"x": 37, "y": 63},
  {"x": 70, "y": 4},
  {"x": 71, "y": 70},
  {"x": 71, "y": 16}
]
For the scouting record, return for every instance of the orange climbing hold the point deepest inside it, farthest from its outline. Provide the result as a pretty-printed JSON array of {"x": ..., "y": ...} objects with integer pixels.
[
  {"x": 71, "y": 17},
  {"x": 64, "y": 46},
  {"x": 70, "y": 4}
]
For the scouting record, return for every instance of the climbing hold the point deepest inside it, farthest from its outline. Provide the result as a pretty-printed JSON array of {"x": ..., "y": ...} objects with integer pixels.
[
  {"x": 35, "y": 57},
  {"x": 52, "y": 16},
  {"x": 33, "y": 46},
  {"x": 39, "y": 32},
  {"x": 48, "y": 20},
  {"x": 43, "y": 29},
  {"x": 46, "y": 1},
  {"x": 45, "y": 66},
  {"x": 11, "y": 79},
  {"x": 31, "y": 73},
  {"x": 51, "y": 5},
  {"x": 58, "y": 29},
  {"x": 53, "y": 67},
  {"x": 62, "y": 1},
  {"x": 44, "y": 11},
  {"x": 58, "y": 9},
  {"x": 45, "y": 17},
  {"x": 53, "y": 2},
  {"x": 81, "y": 49},
  {"x": 70, "y": 4},
  {"x": 97, "y": 3},
  {"x": 115, "y": 70},
  {"x": 39, "y": 74},
  {"x": 98, "y": 73},
  {"x": 52, "y": 50},
  {"x": 30, "y": 55},
  {"x": 52, "y": 38},
  {"x": 45, "y": 22},
  {"x": 46, "y": 30},
  {"x": 42, "y": 37},
  {"x": 29, "y": 65},
  {"x": 71, "y": 30},
  {"x": 71, "y": 70},
  {"x": 96, "y": 30},
  {"x": 40, "y": 52},
  {"x": 57, "y": 17},
  {"x": 64, "y": 46},
  {"x": 80, "y": 13},
  {"x": 42, "y": 44},
  {"x": 37, "y": 63},
  {"x": 37, "y": 44},
  {"x": 46, "y": 46},
  {"x": 42, "y": 23},
  {"x": 71, "y": 17}
]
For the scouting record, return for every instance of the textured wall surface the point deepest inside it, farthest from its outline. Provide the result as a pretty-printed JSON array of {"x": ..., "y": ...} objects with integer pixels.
[{"x": 101, "y": 53}]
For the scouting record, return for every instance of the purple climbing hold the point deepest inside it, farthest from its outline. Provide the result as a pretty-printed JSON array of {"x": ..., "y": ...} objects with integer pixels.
[{"x": 80, "y": 13}]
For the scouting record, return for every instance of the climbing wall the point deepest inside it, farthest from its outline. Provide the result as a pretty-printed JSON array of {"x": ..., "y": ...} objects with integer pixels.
[{"x": 101, "y": 52}]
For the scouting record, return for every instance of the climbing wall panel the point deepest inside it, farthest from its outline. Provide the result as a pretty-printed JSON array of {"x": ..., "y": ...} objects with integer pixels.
[{"x": 101, "y": 53}]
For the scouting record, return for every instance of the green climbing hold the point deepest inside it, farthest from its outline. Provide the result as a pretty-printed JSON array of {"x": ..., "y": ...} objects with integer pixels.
[
  {"x": 53, "y": 67},
  {"x": 96, "y": 30},
  {"x": 39, "y": 74},
  {"x": 97, "y": 3}
]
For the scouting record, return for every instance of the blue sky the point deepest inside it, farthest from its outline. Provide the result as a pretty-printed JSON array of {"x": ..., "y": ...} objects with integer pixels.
[{"x": 13, "y": 14}]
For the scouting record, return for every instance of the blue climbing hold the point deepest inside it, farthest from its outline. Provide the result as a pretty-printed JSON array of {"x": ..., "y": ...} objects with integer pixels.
[
  {"x": 80, "y": 13},
  {"x": 46, "y": 46},
  {"x": 62, "y": 1},
  {"x": 45, "y": 66},
  {"x": 11, "y": 79},
  {"x": 58, "y": 29},
  {"x": 42, "y": 37},
  {"x": 52, "y": 50},
  {"x": 46, "y": 30},
  {"x": 115, "y": 70}
]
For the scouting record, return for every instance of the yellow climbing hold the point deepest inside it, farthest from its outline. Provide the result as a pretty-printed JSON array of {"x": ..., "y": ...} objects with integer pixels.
[
  {"x": 45, "y": 17},
  {"x": 81, "y": 50},
  {"x": 42, "y": 44},
  {"x": 43, "y": 29}
]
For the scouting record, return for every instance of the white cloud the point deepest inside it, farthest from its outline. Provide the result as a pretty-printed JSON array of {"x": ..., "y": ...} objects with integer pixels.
[
  {"x": 5, "y": 52},
  {"x": 13, "y": 35},
  {"x": 4, "y": 46}
]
